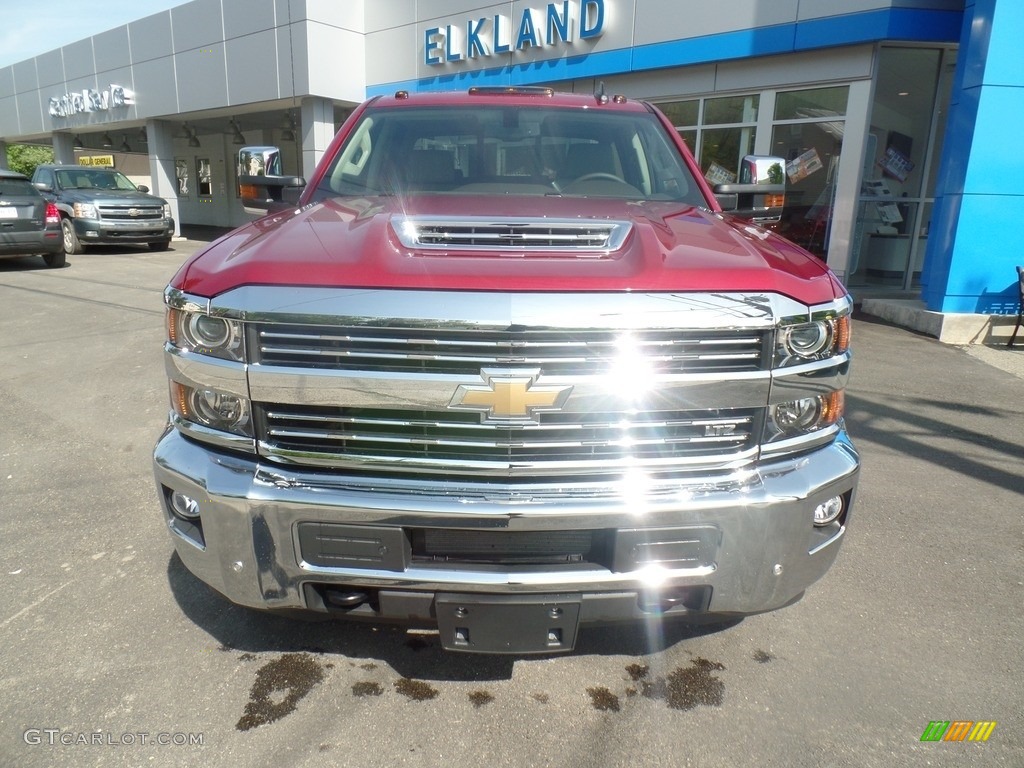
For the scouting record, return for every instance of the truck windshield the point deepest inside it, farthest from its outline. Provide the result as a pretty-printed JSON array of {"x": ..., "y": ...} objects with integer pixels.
[
  {"x": 509, "y": 151},
  {"x": 89, "y": 179}
]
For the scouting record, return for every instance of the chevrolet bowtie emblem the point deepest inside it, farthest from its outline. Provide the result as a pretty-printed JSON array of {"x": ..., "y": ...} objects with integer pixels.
[{"x": 509, "y": 396}]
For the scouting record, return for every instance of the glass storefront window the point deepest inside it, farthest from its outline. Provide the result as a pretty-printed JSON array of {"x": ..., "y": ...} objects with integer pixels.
[
  {"x": 885, "y": 245},
  {"x": 690, "y": 137},
  {"x": 721, "y": 150},
  {"x": 718, "y": 149},
  {"x": 204, "y": 177},
  {"x": 945, "y": 91},
  {"x": 181, "y": 174},
  {"x": 903, "y": 143},
  {"x": 811, "y": 103},
  {"x": 731, "y": 109},
  {"x": 808, "y": 135},
  {"x": 811, "y": 151},
  {"x": 683, "y": 114},
  {"x": 902, "y": 116}
]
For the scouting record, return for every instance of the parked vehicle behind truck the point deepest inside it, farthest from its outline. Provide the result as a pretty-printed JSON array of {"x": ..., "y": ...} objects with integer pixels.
[
  {"x": 503, "y": 367},
  {"x": 29, "y": 225},
  {"x": 101, "y": 206}
]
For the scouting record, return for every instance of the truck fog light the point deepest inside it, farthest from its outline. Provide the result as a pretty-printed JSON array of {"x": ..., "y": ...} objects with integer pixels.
[
  {"x": 184, "y": 506},
  {"x": 828, "y": 511}
]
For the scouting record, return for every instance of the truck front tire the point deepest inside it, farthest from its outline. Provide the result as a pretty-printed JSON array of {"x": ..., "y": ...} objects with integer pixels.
[{"x": 72, "y": 245}]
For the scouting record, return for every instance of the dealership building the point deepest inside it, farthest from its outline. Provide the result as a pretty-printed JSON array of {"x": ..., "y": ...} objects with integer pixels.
[{"x": 893, "y": 117}]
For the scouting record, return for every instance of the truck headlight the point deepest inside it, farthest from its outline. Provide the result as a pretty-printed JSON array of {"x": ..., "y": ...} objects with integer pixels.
[
  {"x": 808, "y": 414},
  {"x": 212, "y": 408},
  {"x": 85, "y": 211},
  {"x": 802, "y": 340},
  {"x": 167, "y": 210},
  {"x": 206, "y": 334}
]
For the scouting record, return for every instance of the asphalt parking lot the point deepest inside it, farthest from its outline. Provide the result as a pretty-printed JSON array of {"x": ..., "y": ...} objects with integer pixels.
[{"x": 112, "y": 654}]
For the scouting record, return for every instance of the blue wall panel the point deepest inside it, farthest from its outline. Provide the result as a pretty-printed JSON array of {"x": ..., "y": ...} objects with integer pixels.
[{"x": 974, "y": 247}]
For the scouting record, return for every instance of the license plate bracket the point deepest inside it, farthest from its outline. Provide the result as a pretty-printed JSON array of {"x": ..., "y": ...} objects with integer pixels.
[{"x": 508, "y": 623}]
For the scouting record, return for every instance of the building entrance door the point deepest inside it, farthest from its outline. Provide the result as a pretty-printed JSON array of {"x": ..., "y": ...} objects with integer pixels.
[{"x": 904, "y": 145}]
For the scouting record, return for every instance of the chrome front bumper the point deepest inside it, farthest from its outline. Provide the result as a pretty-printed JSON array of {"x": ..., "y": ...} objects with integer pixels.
[{"x": 764, "y": 550}]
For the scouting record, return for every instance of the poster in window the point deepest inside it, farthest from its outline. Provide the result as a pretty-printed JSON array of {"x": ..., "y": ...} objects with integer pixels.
[
  {"x": 896, "y": 164},
  {"x": 804, "y": 165},
  {"x": 717, "y": 174},
  {"x": 181, "y": 174},
  {"x": 204, "y": 177}
]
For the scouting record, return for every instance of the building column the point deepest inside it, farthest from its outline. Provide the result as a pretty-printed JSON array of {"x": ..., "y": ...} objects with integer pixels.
[
  {"x": 317, "y": 127},
  {"x": 63, "y": 148},
  {"x": 973, "y": 242},
  {"x": 161, "y": 166},
  {"x": 3, "y": 156}
]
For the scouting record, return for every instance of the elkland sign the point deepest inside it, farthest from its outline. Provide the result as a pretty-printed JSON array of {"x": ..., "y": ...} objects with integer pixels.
[{"x": 487, "y": 36}]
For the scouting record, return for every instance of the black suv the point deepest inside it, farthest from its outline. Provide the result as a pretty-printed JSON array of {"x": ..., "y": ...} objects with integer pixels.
[
  {"x": 29, "y": 225},
  {"x": 102, "y": 206}
]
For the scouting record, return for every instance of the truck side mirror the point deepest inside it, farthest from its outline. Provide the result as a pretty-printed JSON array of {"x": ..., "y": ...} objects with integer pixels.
[
  {"x": 261, "y": 186},
  {"x": 760, "y": 193}
]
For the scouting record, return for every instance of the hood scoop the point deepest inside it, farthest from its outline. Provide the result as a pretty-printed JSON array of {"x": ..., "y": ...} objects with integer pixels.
[{"x": 512, "y": 236}]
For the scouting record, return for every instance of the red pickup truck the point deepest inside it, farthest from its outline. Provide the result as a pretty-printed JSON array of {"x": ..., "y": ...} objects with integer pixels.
[{"x": 504, "y": 367}]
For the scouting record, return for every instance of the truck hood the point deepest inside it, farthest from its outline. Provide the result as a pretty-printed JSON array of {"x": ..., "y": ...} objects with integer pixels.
[{"x": 353, "y": 243}]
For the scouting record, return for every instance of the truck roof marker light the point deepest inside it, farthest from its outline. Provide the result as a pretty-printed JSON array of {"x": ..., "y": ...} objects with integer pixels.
[{"x": 511, "y": 90}]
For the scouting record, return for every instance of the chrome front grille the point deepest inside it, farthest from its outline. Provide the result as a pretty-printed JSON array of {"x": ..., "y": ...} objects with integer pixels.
[
  {"x": 453, "y": 442},
  {"x": 522, "y": 235},
  {"x": 507, "y": 389},
  {"x": 563, "y": 352},
  {"x": 131, "y": 212}
]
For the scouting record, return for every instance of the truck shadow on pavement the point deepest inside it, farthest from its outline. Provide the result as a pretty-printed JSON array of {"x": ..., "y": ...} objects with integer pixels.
[
  {"x": 942, "y": 433},
  {"x": 412, "y": 654}
]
